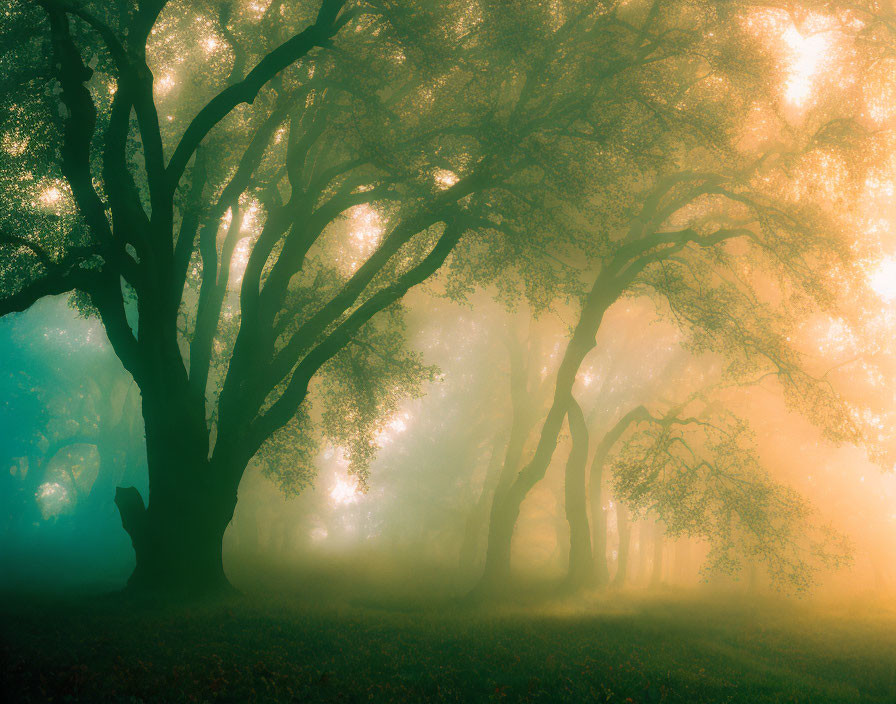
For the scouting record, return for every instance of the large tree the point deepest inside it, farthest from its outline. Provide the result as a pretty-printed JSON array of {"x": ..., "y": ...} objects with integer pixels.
[
  {"x": 195, "y": 195},
  {"x": 736, "y": 242}
]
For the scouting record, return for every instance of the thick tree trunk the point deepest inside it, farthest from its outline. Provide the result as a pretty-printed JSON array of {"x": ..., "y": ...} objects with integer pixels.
[
  {"x": 178, "y": 536},
  {"x": 624, "y": 528},
  {"x": 177, "y": 541},
  {"x": 581, "y": 563}
]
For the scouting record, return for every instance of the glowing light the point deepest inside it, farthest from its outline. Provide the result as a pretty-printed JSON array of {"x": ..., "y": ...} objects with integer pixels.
[
  {"x": 344, "y": 491},
  {"x": 805, "y": 50},
  {"x": 366, "y": 226},
  {"x": 50, "y": 196},
  {"x": 259, "y": 7},
  {"x": 13, "y": 144},
  {"x": 210, "y": 44},
  {"x": 53, "y": 499},
  {"x": 807, "y": 58},
  {"x": 397, "y": 424},
  {"x": 883, "y": 279},
  {"x": 250, "y": 217},
  {"x": 444, "y": 178},
  {"x": 365, "y": 231},
  {"x": 239, "y": 260},
  {"x": 164, "y": 84}
]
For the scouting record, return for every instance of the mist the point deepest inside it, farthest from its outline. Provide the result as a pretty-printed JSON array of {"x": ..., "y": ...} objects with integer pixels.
[{"x": 447, "y": 351}]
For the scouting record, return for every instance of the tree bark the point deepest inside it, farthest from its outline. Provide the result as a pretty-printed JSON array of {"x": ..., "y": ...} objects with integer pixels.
[
  {"x": 581, "y": 563},
  {"x": 177, "y": 537},
  {"x": 624, "y": 528}
]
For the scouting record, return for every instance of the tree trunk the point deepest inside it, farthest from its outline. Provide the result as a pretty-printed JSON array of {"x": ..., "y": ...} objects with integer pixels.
[
  {"x": 657, "y": 576},
  {"x": 502, "y": 522},
  {"x": 602, "y": 294},
  {"x": 599, "y": 521},
  {"x": 473, "y": 528},
  {"x": 624, "y": 529},
  {"x": 178, "y": 536},
  {"x": 504, "y": 511},
  {"x": 683, "y": 560},
  {"x": 643, "y": 540},
  {"x": 177, "y": 540},
  {"x": 581, "y": 563}
]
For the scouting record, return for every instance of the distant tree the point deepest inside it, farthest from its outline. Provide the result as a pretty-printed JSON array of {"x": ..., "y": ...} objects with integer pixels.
[
  {"x": 63, "y": 396},
  {"x": 713, "y": 291},
  {"x": 701, "y": 476},
  {"x": 736, "y": 245}
]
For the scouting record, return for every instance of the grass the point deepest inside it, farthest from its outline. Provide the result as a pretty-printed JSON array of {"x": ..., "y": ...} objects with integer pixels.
[{"x": 605, "y": 648}]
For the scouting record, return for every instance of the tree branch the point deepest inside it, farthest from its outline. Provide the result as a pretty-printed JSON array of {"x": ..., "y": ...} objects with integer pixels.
[
  {"x": 296, "y": 391},
  {"x": 246, "y": 90}
]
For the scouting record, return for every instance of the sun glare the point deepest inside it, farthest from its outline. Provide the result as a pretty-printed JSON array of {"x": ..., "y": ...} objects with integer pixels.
[
  {"x": 164, "y": 84},
  {"x": 53, "y": 499},
  {"x": 807, "y": 54},
  {"x": 883, "y": 279},
  {"x": 344, "y": 491},
  {"x": 50, "y": 196},
  {"x": 805, "y": 50},
  {"x": 444, "y": 178},
  {"x": 366, "y": 227},
  {"x": 397, "y": 425}
]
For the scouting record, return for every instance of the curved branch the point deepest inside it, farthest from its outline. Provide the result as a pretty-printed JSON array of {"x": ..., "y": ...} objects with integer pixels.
[
  {"x": 35, "y": 249},
  {"x": 297, "y": 389},
  {"x": 246, "y": 90},
  {"x": 52, "y": 285}
]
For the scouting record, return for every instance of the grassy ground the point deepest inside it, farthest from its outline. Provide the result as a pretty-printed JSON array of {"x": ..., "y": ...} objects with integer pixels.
[{"x": 608, "y": 648}]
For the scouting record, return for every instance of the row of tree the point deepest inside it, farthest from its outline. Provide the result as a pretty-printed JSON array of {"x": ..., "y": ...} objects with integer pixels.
[{"x": 244, "y": 214}]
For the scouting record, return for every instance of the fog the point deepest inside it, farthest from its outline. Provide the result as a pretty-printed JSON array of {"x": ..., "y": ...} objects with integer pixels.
[
  {"x": 560, "y": 332},
  {"x": 422, "y": 514}
]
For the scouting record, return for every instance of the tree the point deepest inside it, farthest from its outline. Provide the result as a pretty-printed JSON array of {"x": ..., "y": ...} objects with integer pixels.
[
  {"x": 701, "y": 475},
  {"x": 70, "y": 410},
  {"x": 731, "y": 320},
  {"x": 426, "y": 111},
  {"x": 581, "y": 563},
  {"x": 722, "y": 237}
]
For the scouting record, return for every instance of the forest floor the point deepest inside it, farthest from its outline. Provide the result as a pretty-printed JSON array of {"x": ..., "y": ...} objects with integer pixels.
[{"x": 610, "y": 647}]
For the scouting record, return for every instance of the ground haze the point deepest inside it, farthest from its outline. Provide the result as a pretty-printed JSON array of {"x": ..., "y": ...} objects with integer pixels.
[{"x": 448, "y": 350}]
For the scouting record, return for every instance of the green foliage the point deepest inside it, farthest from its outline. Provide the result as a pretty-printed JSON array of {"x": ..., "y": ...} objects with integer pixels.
[
  {"x": 289, "y": 456},
  {"x": 243, "y": 193},
  {"x": 361, "y": 389},
  {"x": 703, "y": 477}
]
